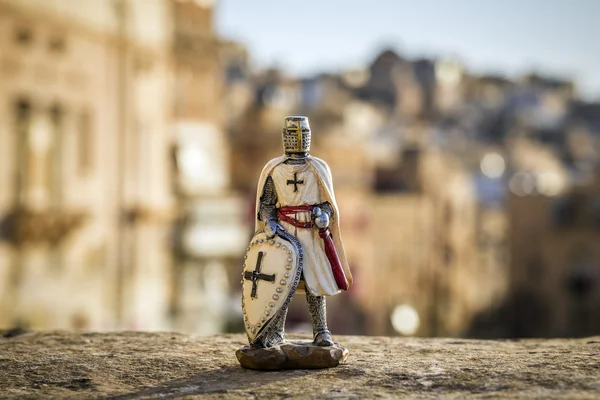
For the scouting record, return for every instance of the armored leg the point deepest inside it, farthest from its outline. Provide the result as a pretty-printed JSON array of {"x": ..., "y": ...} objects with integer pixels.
[
  {"x": 275, "y": 334},
  {"x": 318, "y": 316}
]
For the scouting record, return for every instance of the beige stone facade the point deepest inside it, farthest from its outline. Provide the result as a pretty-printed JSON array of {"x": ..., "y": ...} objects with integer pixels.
[
  {"x": 554, "y": 273},
  {"x": 84, "y": 137},
  {"x": 211, "y": 235},
  {"x": 425, "y": 252}
]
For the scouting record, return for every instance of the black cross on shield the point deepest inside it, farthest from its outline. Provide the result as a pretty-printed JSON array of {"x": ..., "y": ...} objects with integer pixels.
[{"x": 256, "y": 275}]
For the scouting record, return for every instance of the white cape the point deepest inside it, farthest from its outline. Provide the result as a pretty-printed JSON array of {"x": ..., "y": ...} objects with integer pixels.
[{"x": 324, "y": 179}]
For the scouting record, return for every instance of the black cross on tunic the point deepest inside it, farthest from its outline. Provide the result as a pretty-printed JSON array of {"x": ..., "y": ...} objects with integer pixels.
[
  {"x": 255, "y": 275},
  {"x": 295, "y": 182}
]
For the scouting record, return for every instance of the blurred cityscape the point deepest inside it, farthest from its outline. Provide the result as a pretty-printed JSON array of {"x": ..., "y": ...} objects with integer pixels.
[{"x": 132, "y": 138}]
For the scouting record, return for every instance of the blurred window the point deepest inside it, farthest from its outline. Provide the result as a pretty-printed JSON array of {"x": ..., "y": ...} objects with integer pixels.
[
  {"x": 596, "y": 211},
  {"x": 580, "y": 282},
  {"x": 22, "y": 119},
  {"x": 563, "y": 213},
  {"x": 57, "y": 44},
  {"x": 448, "y": 255},
  {"x": 39, "y": 153},
  {"x": 84, "y": 143},
  {"x": 23, "y": 36},
  {"x": 54, "y": 157},
  {"x": 534, "y": 270},
  {"x": 234, "y": 73}
]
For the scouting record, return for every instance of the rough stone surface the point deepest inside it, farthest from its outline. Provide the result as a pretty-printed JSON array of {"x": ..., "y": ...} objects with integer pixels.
[
  {"x": 292, "y": 355},
  {"x": 129, "y": 365}
]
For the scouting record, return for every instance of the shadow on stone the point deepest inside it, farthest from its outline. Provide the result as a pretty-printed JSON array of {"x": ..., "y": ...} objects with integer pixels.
[
  {"x": 292, "y": 355},
  {"x": 14, "y": 332},
  {"x": 214, "y": 381}
]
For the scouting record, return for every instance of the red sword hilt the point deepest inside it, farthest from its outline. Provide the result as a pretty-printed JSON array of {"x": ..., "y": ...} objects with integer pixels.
[{"x": 334, "y": 259}]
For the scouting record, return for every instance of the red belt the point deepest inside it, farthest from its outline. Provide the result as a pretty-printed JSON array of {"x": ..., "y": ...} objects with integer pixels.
[
  {"x": 328, "y": 244},
  {"x": 284, "y": 212}
]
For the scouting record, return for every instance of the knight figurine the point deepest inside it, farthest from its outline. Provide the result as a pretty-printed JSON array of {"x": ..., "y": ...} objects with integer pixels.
[{"x": 297, "y": 245}]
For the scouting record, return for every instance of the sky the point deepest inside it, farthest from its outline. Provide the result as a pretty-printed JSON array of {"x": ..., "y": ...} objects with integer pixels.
[{"x": 511, "y": 37}]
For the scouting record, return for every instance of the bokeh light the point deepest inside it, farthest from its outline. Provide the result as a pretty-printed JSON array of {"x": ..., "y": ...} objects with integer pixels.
[
  {"x": 405, "y": 320},
  {"x": 493, "y": 165}
]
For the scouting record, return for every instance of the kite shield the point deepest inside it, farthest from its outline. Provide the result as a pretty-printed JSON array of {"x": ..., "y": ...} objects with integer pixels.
[{"x": 272, "y": 271}]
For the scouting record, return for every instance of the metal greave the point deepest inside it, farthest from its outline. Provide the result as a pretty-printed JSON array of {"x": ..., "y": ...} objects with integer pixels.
[
  {"x": 275, "y": 334},
  {"x": 318, "y": 317},
  {"x": 318, "y": 312}
]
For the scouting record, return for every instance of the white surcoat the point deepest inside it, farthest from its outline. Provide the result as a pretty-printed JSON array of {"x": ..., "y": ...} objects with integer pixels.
[{"x": 312, "y": 186}]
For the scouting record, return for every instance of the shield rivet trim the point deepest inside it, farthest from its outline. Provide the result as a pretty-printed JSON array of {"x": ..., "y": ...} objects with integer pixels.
[
  {"x": 275, "y": 297},
  {"x": 279, "y": 290},
  {"x": 287, "y": 275},
  {"x": 271, "y": 304},
  {"x": 283, "y": 282}
]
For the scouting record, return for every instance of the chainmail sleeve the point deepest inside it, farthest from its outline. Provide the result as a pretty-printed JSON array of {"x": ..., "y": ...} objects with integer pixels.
[{"x": 267, "y": 210}]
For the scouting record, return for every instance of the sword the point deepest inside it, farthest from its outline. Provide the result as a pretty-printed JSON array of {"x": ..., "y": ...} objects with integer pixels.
[
  {"x": 332, "y": 256},
  {"x": 334, "y": 259}
]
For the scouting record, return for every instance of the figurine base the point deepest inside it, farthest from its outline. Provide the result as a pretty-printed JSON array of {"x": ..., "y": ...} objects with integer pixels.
[{"x": 292, "y": 355}]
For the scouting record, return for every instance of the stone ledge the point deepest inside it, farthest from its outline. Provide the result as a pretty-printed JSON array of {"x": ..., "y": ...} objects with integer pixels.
[{"x": 129, "y": 365}]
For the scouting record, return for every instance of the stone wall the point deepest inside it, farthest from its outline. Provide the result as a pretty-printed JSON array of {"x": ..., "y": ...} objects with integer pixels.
[{"x": 129, "y": 365}]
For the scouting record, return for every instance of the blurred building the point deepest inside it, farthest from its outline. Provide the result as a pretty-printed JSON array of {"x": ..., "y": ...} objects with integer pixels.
[
  {"x": 425, "y": 270},
  {"x": 85, "y": 199},
  {"x": 132, "y": 137},
  {"x": 423, "y": 155},
  {"x": 211, "y": 232},
  {"x": 409, "y": 212},
  {"x": 555, "y": 264},
  {"x": 449, "y": 90},
  {"x": 239, "y": 88},
  {"x": 346, "y": 151},
  {"x": 255, "y": 132}
]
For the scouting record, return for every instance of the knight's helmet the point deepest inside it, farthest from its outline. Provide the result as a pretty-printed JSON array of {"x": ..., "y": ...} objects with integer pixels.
[{"x": 296, "y": 135}]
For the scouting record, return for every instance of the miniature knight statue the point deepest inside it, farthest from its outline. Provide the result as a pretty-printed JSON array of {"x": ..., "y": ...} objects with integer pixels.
[{"x": 297, "y": 245}]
